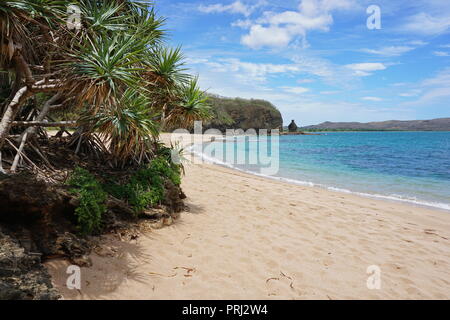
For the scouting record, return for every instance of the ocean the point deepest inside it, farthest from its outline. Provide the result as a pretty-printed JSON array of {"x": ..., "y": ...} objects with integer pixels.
[{"x": 410, "y": 167}]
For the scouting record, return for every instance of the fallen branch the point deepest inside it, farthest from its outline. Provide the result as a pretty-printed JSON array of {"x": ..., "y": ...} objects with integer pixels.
[
  {"x": 23, "y": 155},
  {"x": 62, "y": 129},
  {"x": 19, "y": 153},
  {"x": 29, "y": 132},
  {"x": 40, "y": 154}
]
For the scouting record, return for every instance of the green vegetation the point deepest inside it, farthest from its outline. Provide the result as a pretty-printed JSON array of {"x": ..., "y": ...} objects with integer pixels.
[
  {"x": 115, "y": 76},
  {"x": 143, "y": 190},
  {"x": 113, "y": 79},
  {"x": 91, "y": 198},
  {"x": 243, "y": 114}
]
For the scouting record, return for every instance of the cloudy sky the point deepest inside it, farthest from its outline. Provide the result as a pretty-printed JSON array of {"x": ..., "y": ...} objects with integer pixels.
[{"x": 317, "y": 60}]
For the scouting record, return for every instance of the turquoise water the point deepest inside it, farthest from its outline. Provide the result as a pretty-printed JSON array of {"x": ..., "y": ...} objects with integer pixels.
[{"x": 405, "y": 166}]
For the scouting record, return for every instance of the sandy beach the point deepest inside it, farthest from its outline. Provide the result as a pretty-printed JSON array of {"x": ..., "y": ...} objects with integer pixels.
[{"x": 246, "y": 237}]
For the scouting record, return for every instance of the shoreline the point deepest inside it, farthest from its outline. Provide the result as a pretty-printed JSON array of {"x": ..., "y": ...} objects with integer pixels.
[
  {"x": 389, "y": 199},
  {"x": 437, "y": 206},
  {"x": 248, "y": 237}
]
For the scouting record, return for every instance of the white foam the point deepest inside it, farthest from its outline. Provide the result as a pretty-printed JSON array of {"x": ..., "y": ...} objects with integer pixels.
[
  {"x": 392, "y": 197},
  {"x": 395, "y": 197}
]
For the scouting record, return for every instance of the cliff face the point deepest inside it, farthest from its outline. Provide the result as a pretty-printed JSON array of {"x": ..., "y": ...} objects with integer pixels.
[
  {"x": 243, "y": 114},
  {"x": 442, "y": 124}
]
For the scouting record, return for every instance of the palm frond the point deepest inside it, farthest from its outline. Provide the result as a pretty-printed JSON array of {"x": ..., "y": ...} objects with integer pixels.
[
  {"x": 166, "y": 67},
  {"x": 103, "y": 16},
  {"x": 193, "y": 106},
  {"x": 104, "y": 66},
  {"x": 125, "y": 125}
]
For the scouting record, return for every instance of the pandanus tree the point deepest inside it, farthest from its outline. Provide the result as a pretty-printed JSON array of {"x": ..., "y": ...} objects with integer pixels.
[{"x": 114, "y": 72}]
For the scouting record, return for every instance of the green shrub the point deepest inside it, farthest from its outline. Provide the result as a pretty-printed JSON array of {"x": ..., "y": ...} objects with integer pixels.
[
  {"x": 162, "y": 167},
  {"x": 92, "y": 200},
  {"x": 146, "y": 186},
  {"x": 144, "y": 189}
]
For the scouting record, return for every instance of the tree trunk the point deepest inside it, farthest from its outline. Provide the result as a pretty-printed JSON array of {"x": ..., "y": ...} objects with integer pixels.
[
  {"x": 11, "y": 112},
  {"x": 22, "y": 71},
  {"x": 163, "y": 117},
  {"x": 19, "y": 99},
  {"x": 22, "y": 66},
  {"x": 41, "y": 116}
]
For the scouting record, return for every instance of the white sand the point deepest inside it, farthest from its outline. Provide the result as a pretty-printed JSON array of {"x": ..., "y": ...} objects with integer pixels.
[{"x": 247, "y": 237}]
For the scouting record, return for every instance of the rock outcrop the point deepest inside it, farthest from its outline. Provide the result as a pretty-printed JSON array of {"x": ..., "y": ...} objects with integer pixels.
[
  {"x": 22, "y": 276},
  {"x": 293, "y": 127},
  {"x": 243, "y": 114},
  {"x": 38, "y": 222}
]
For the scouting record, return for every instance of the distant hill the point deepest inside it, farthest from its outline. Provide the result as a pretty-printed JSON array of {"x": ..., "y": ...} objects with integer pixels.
[
  {"x": 238, "y": 113},
  {"x": 442, "y": 124}
]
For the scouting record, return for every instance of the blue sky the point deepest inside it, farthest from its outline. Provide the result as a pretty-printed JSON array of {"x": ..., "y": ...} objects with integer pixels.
[{"x": 317, "y": 60}]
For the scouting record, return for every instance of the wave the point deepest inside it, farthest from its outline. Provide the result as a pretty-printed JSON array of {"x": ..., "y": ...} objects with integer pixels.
[{"x": 392, "y": 197}]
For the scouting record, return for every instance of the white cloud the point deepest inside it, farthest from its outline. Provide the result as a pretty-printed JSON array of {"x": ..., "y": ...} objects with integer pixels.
[
  {"x": 424, "y": 23},
  {"x": 435, "y": 94},
  {"x": 390, "y": 51},
  {"x": 260, "y": 36},
  {"x": 236, "y": 7},
  {"x": 412, "y": 93},
  {"x": 307, "y": 107},
  {"x": 322, "y": 68},
  {"x": 417, "y": 43},
  {"x": 329, "y": 92},
  {"x": 300, "y": 70},
  {"x": 244, "y": 24},
  {"x": 399, "y": 84},
  {"x": 196, "y": 60},
  {"x": 305, "y": 81},
  {"x": 441, "y": 79},
  {"x": 434, "y": 89},
  {"x": 295, "y": 90},
  {"x": 301, "y": 67},
  {"x": 376, "y": 99},
  {"x": 366, "y": 69},
  {"x": 441, "y": 53},
  {"x": 279, "y": 29},
  {"x": 248, "y": 71}
]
